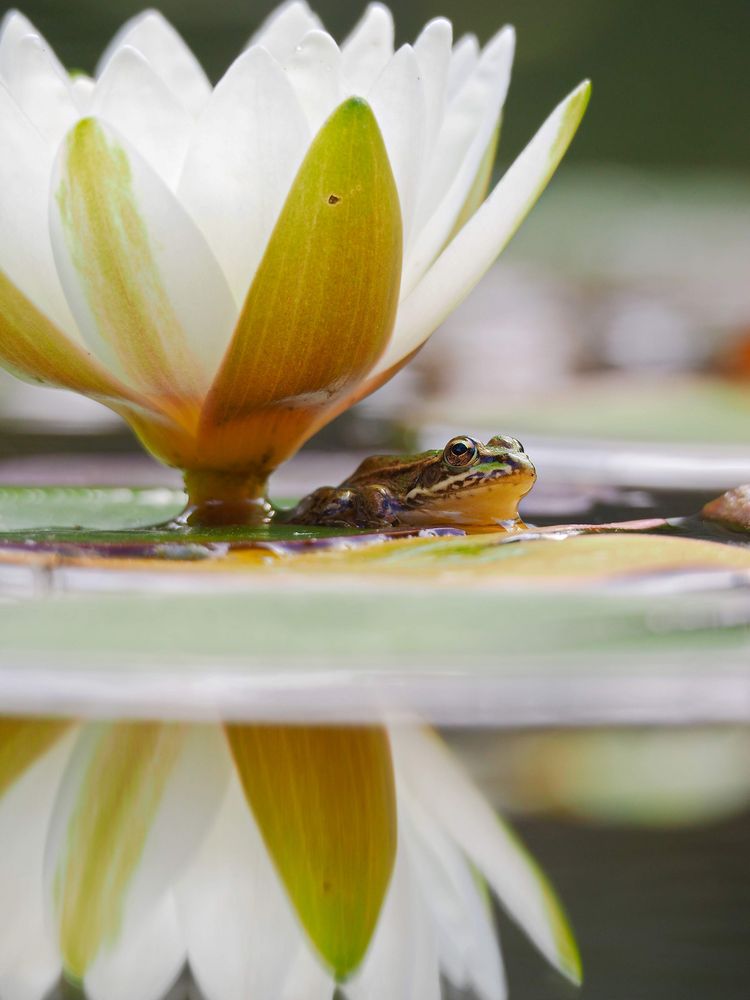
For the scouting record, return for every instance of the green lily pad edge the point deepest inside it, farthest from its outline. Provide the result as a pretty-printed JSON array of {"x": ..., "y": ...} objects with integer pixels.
[{"x": 119, "y": 514}]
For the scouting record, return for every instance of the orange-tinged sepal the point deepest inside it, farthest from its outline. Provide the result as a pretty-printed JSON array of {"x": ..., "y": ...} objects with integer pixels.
[
  {"x": 321, "y": 306},
  {"x": 22, "y": 742},
  {"x": 325, "y": 803}
]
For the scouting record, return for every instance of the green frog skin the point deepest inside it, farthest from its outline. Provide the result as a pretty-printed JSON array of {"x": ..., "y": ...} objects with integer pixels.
[{"x": 467, "y": 484}]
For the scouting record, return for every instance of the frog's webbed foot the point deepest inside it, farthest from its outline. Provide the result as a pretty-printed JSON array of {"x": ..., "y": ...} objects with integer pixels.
[{"x": 368, "y": 507}]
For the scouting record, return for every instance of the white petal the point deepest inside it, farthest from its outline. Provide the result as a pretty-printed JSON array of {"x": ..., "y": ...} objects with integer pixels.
[
  {"x": 397, "y": 100},
  {"x": 307, "y": 979},
  {"x": 463, "y": 63},
  {"x": 433, "y": 51},
  {"x": 130, "y": 96},
  {"x": 13, "y": 27},
  {"x": 402, "y": 963},
  {"x": 314, "y": 70},
  {"x": 169, "y": 781},
  {"x": 240, "y": 929},
  {"x": 285, "y": 28},
  {"x": 466, "y": 132},
  {"x": 82, "y": 90},
  {"x": 242, "y": 160},
  {"x": 41, "y": 88},
  {"x": 467, "y": 938},
  {"x": 29, "y": 960},
  {"x": 147, "y": 960},
  {"x": 155, "y": 38},
  {"x": 460, "y": 266},
  {"x": 140, "y": 278},
  {"x": 25, "y": 248},
  {"x": 368, "y": 49},
  {"x": 435, "y": 780}
]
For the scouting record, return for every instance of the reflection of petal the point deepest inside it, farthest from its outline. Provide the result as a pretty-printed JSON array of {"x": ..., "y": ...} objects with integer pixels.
[
  {"x": 141, "y": 280},
  {"x": 368, "y": 48},
  {"x": 307, "y": 979},
  {"x": 155, "y": 38},
  {"x": 324, "y": 800},
  {"x": 244, "y": 153},
  {"x": 402, "y": 963},
  {"x": 148, "y": 958},
  {"x": 460, "y": 266},
  {"x": 29, "y": 959},
  {"x": 467, "y": 937},
  {"x": 133, "y": 805},
  {"x": 436, "y": 781},
  {"x": 322, "y": 303},
  {"x": 240, "y": 929}
]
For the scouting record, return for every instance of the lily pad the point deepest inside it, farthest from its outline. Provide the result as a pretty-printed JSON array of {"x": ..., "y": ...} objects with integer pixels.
[
  {"x": 108, "y": 515},
  {"x": 268, "y": 626},
  {"x": 126, "y": 529}
]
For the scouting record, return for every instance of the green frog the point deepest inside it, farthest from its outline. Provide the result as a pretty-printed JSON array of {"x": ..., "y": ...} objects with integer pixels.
[{"x": 466, "y": 484}]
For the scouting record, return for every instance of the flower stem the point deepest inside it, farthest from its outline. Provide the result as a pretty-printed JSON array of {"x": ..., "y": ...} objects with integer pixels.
[{"x": 223, "y": 499}]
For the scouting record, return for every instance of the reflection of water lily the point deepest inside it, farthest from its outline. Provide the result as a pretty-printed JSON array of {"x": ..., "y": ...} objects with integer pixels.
[
  {"x": 137, "y": 842},
  {"x": 230, "y": 268}
]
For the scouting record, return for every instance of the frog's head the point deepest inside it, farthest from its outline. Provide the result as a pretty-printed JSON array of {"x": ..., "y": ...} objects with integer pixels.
[{"x": 470, "y": 483}]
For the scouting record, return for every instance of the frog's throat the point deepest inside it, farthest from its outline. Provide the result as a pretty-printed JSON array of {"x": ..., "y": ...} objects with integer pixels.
[{"x": 488, "y": 503}]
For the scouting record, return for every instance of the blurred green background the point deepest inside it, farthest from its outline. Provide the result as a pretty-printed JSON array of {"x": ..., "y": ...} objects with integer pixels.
[{"x": 671, "y": 80}]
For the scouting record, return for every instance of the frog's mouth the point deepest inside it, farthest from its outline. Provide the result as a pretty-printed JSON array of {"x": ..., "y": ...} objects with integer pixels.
[{"x": 482, "y": 498}]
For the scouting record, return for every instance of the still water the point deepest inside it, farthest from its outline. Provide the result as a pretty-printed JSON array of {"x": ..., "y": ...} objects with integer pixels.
[
  {"x": 660, "y": 904},
  {"x": 644, "y": 834},
  {"x": 659, "y": 913}
]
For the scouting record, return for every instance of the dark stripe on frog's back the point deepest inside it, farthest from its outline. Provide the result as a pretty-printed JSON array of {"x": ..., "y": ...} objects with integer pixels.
[{"x": 385, "y": 470}]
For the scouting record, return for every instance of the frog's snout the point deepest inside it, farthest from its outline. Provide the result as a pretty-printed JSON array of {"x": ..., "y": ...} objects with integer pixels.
[{"x": 520, "y": 462}]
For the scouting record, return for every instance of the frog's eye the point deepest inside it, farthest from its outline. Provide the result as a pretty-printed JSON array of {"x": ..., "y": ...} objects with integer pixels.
[{"x": 460, "y": 452}]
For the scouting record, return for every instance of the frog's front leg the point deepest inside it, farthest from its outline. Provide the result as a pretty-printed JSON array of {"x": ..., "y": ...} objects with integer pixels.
[{"x": 347, "y": 507}]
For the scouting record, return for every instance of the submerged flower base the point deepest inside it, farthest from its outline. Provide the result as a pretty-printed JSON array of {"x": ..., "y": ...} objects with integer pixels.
[{"x": 224, "y": 499}]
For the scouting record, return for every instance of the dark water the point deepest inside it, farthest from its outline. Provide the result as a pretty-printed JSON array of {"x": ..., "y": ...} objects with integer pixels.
[
  {"x": 556, "y": 504},
  {"x": 659, "y": 914}
]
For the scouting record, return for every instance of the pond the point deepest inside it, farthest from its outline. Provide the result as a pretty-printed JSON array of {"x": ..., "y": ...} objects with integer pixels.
[
  {"x": 607, "y": 699},
  {"x": 659, "y": 905}
]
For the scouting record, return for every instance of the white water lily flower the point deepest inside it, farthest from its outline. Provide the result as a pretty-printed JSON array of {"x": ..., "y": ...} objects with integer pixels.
[
  {"x": 228, "y": 268},
  {"x": 129, "y": 852}
]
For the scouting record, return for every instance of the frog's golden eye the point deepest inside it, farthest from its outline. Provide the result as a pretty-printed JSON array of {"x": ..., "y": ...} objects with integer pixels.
[{"x": 460, "y": 452}]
